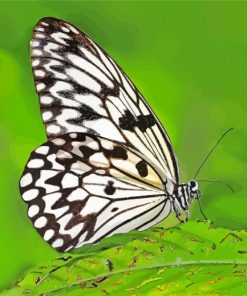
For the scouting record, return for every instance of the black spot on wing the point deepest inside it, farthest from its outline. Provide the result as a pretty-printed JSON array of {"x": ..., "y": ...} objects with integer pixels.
[
  {"x": 115, "y": 91},
  {"x": 86, "y": 113},
  {"x": 114, "y": 209},
  {"x": 142, "y": 169},
  {"x": 66, "y": 94},
  {"x": 110, "y": 189},
  {"x": 128, "y": 122},
  {"x": 145, "y": 121},
  {"x": 59, "y": 69},
  {"x": 118, "y": 152}
]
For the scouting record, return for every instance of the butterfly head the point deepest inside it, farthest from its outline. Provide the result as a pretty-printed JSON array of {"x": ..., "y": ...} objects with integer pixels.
[{"x": 194, "y": 189}]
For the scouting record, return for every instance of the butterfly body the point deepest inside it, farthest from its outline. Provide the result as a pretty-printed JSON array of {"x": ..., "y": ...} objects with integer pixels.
[
  {"x": 108, "y": 165},
  {"x": 183, "y": 195}
]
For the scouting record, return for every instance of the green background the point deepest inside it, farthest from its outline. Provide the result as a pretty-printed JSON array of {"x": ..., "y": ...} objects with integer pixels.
[{"x": 189, "y": 61}]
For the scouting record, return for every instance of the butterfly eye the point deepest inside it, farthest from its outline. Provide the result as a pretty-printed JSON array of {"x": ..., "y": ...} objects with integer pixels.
[{"x": 193, "y": 186}]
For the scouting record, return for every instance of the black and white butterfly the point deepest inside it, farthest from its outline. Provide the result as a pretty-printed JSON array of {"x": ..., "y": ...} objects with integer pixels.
[{"x": 108, "y": 165}]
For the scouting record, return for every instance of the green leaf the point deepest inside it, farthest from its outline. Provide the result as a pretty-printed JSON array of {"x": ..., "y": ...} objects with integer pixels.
[{"x": 192, "y": 259}]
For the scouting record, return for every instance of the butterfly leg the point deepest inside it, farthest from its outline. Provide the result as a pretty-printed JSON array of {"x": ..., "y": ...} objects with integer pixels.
[
  {"x": 178, "y": 217},
  {"x": 177, "y": 210},
  {"x": 187, "y": 213}
]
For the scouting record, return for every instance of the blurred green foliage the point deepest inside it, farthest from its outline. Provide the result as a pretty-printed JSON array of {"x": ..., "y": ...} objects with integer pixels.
[{"x": 189, "y": 61}]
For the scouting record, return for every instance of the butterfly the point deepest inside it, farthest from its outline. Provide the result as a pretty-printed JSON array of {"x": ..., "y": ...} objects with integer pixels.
[{"x": 108, "y": 165}]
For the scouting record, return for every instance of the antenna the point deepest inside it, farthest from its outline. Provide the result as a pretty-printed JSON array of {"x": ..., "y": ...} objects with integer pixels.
[
  {"x": 211, "y": 151},
  {"x": 200, "y": 207},
  {"x": 218, "y": 181}
]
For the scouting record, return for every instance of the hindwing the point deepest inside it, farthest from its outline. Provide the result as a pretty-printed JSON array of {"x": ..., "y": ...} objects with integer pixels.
[{"x": 81, "y": 188}]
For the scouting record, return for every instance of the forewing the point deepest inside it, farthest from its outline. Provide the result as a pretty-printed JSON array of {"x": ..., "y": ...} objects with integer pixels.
[
  {"x": 82, "y": 89},
  {"x": 81, "y": 188}
]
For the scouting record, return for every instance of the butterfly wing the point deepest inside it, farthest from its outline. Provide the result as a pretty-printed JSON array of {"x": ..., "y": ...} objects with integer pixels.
[
  {"x": 81, "y": 188},
  {"x": 82, "y": 89}
]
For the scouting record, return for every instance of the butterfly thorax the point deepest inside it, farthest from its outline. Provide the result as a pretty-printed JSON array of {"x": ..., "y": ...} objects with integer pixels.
[{"x": 183, "y": 195}]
